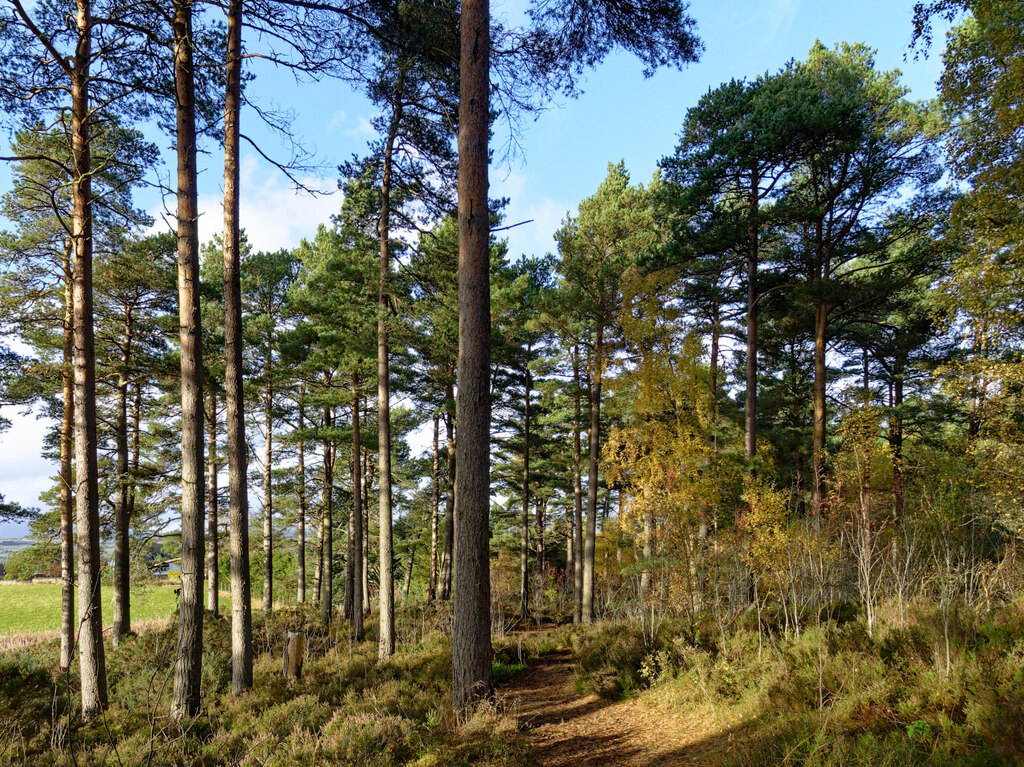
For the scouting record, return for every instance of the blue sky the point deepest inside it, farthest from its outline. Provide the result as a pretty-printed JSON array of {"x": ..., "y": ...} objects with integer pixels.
[{"x": 566, "y": 150}]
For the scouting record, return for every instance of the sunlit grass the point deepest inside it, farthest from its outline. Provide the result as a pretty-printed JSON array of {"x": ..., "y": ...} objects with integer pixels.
[{"x": 35, "y": 607}]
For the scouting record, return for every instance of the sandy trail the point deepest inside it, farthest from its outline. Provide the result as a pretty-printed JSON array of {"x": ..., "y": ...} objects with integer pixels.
[{"x": 570, "y": 730}]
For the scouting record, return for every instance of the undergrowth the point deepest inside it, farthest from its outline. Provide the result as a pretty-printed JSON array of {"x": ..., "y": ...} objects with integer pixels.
[
  {"x": 833, "y": 695},
  {"x": 346, "y": 709}
]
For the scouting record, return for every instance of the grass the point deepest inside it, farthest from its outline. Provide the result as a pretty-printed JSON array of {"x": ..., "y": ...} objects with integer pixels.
[
  {"x": 35, "y": 607},
  {"x": 833, "y": 696},
  {"x": 347, "y": 708}
]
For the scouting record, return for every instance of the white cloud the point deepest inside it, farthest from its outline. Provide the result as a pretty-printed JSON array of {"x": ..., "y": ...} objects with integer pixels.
[
  {"x": 24, "y": 473},
  {"x": 273, "y": 213},
  {"x": 778, "y": 16},
  {"x": 543, "y": 214},
  {"x": 337, "y": 121},
  {"x": 362, "y": 129}
]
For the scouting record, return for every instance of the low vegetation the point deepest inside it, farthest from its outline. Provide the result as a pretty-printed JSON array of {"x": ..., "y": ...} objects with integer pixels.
[
  {"x": 345, "y": 709},
  {"x": 35, "y": 607},
  {"x": 833, "y": 694}
]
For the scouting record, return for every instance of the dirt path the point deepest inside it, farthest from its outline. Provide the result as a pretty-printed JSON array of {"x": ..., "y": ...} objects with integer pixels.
[{"x": 569, "y": 730}]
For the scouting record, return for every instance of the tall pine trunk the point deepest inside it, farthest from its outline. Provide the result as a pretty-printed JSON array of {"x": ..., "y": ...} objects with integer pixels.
[
  {"x": 541, "y": 522},
  {"x": 67, "y": 495},
  {"x": 818, "y": 444},
  {"x": 185, "y": 698},
  {"x": 434, "y": 516},
  {"x": 471, "y": 627},
  {"x": 444, "y": 588},
  {"x": 300, "y": 538},
  {"x": 238, "y": 513},
  {"x": 357, "y": 519},
  {"x": 268, "y": 494},
  {"x": 212, "y": 512},
  {"x": 386, "y": 646},
  {"x": 92, "y": 662},
  {"x": 524, "y": 546},
  {"x": 122, "y": 586},
  {"x": 596, "y": 373},
  {"x": 896, "y": 437},
  {"x": 327, "y": 540},
  {"x": 364, "y": 543},
  {"x": 750, "y": 405},
  {"x": 577, "y": 491}
]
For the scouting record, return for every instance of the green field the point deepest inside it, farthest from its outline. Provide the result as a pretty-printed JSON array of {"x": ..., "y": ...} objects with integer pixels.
[{"x": 32, "y": 607}]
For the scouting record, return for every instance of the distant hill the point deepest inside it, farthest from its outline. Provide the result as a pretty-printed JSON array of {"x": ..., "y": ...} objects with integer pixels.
[{"x": 9, "y": 546}]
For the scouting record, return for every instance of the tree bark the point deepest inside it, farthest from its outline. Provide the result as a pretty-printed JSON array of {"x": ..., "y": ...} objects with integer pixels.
[
  {"x": 213, "y": 520},
  {"x": 268, "y": 492},
  {"x": 238, "y": 513},
  {"x": 570, "y": 543},
  {"x": 122, "y": 585},
  {"x": 185, "y": 698},
  {"x": 896, "y": 438},
  {"x": 577, "y": 489},
  {"x": 352, "y": 551},
  {"x": 300, "y": 542},
  {"x": 471, "y": 628},
  {"x": 327, "y": 579},
  {"x": 445, "y": 587},
  {"x": 408, "y": 573},
  {"x": 92, "y": 662},
  {"x": 596, "y": 374},
  {"x": 818, "y": 457},
  {"x": 364, "y": 542},
  {"x": 645, "y": 575},
  {"x": 357, "y": 519},
  {"x": 319, "y": 574},
  {"x": 750, "y": 405},
  {"x": 67, "y": 446},
  {"x": 434, "y": 516},
  {"x": 386, "y": 595},
  {"x": 524, "y": 546}
]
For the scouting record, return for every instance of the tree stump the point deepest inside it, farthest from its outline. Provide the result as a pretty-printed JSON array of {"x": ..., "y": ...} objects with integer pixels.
[{"x": 294, "y": 652}]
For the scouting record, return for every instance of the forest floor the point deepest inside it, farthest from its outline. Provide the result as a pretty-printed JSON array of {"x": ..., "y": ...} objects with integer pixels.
[{"x": 568, "y": 729}]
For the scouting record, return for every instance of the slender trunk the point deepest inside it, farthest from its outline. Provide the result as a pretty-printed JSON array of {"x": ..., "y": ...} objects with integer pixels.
[
  {"x": 386, "y": 647},
  {"x": 364, "y": 541},
  {"x": 92, "y": 661},
  {"x": 818, "y": 444},
  {"x": 645, "y": 575},
  {"x": 524, "y": 548},
  {"x": 541, "y": 520},
  {"x": 408, "y": 573},
  {"x": 750, "y": 405},
  {"x": 352, "y": 550},
  {"x": 570, "y": 545},
  {"x": 434, "y": 516},
  {"x": 866, "y": 375},
  {"x": 595, "y": 454},
  {"x": 445, "y": 587},
  {"x": 122, "y": 585},
  {"x": 471, "y": 628},
  {"x": 716, "y": 331},
  {"x": 67, "y": 496},
  {"x": 327, "y": 579},
  {"x": 136, "y": 446},
  {"x": 896, "y": 439},
  {"x": 357, "y": 519},
  {"x": 300, "y": 543},
  {"x": 185, "y": 698},
  {"x": 268, "y": 495},
  {"x": 319, "y": 574},
  {"x": 213, "y": 516},
  {"x": 238, "y": 512},
  {"x": 577, "y": 490}
]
